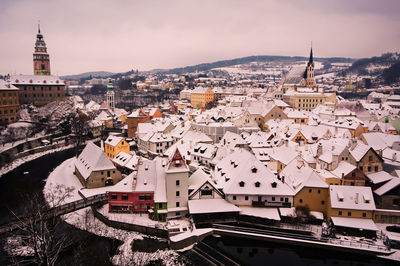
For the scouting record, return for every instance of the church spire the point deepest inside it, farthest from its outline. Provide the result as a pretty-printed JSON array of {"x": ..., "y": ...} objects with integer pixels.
[
  {"x": 41, "y": 59},
  {"x": 311, "y": 60}
]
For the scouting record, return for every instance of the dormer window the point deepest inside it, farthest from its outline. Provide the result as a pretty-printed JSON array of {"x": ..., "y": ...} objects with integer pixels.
[
  {"x": 253, "y": 169},
  {"x": 273, "y": 184},
  {"x": 241, "y": 184},
  {"x": 257, "y": 184}
]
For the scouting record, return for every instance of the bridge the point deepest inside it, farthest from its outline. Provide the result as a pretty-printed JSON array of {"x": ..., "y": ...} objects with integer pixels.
[{"x": 56, "y": 211}]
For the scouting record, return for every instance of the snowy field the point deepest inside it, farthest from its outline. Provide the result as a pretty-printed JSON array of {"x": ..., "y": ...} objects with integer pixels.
[{"x": 85, "y": 220}]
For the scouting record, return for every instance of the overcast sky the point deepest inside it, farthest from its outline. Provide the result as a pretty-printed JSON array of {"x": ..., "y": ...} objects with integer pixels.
[{"x": 119, "y": 35}]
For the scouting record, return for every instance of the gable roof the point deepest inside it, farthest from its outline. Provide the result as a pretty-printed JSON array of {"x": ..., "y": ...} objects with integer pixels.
[
  {"x": 92, "y": 158},
  {"x": 351, "y": 197}
]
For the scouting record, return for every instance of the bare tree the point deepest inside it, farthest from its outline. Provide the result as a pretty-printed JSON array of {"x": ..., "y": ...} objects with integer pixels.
[
  {"x": 79, "y": 128},
  {"x": 40, "y": 230}
]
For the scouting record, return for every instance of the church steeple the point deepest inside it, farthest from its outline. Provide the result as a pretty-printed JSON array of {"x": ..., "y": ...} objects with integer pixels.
[
  {"x": 309, "y": 73},
  {"x": 41, "y": 59}
]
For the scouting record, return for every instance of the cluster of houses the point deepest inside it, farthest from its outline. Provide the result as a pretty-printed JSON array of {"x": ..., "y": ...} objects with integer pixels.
[
  {"x": 265, "y": 155},
  {"x": 259, "y": 159}
]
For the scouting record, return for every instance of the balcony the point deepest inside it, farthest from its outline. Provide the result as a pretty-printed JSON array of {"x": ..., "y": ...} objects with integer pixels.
[{"x": 271, "y": 204}]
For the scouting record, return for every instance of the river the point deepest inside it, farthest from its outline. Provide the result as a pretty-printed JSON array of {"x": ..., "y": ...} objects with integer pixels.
[{"x": 18, "y": 185}]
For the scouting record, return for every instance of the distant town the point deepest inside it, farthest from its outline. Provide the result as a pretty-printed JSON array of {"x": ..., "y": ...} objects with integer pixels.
[{"x": 301, "y": 151}]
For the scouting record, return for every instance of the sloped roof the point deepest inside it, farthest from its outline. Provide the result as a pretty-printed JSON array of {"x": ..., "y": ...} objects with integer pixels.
[
  {"x": 393, "y": 183},
  {"x": 92, "y": 158},
  {"x": 343, "y": 168},
  {"x": 351, "y": 197},
  {"x": 242, "y": 166}
]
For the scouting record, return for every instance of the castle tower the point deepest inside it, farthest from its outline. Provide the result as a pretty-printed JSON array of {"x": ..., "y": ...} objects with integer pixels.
[
  {"x": 41, "y": 59},
  {"x": 110, "y": 96},
  {"x": 309, "y": 74}
]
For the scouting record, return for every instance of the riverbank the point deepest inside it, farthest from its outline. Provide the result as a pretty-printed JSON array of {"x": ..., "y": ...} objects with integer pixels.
[
  {"x": 84, "y": 219},
  {"x": 18, "y": 162}
]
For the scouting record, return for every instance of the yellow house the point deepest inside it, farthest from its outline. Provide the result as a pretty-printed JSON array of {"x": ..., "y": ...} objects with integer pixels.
[
  {"x": 311, "y": 190},
  {"x": 350, "y": 202},
  {"x": 200, "y": 96},
  {"x": 114, "y": 145}
]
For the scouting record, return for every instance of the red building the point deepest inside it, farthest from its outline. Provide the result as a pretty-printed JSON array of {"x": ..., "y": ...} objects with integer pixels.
[
  {"x": 135, "y": 193},
  {"x": 130, "y": 201}
]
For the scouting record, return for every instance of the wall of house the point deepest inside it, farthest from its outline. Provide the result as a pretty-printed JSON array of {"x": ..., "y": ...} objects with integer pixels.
[
  {"x": 40, "y": 95},
  {"x": 354, "y": 213},
  {"x": 370, "y": 163},
  {"x": 200, "y": 195},
  {"x": 133, "y": 203},
  {"x": 9, "y": 106},
  {"x": 354, "y": 178},
  {"x": 98, "y": 178},
  {"x": 241, "y": 200},
  {"x": 275, "y": 113},
  {"x": 315, "y": 198},
  {"x": 172, "y": 188},
  {"x": 133, "y": 124}
]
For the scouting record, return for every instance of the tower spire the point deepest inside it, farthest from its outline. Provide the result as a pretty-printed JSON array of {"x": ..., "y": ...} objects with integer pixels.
[
  {"x": 311, "y": 60},
  {"x": 38, "y": 26}
]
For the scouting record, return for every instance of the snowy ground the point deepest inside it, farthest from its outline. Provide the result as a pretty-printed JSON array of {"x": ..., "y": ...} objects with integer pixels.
[
  {"x": 133, "y": 218},
  {"x": 85, "y": 220},
  {"x": 9, "y": 167}
]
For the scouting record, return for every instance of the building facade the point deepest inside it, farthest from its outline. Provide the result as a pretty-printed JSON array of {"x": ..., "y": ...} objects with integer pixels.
[
  {"x": 9, "y": 103},
  {"x": 199, "y": 97}
]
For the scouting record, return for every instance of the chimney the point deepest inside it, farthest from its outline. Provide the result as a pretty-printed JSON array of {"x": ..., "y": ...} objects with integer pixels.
[
  {"x": 356, "y": 198},
  {"x": 319, "y": 149},
  {"x": 283, "y": 179}
]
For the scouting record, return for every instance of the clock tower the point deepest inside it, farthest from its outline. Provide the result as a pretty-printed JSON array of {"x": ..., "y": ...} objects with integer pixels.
[{"x": 41, "y": 59}]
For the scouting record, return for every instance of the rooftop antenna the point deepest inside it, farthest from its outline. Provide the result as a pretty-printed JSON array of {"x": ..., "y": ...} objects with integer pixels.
[{"x": 39, "y": 26}]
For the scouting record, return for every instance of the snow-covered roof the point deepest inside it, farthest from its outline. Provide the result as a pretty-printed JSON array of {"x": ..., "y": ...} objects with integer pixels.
[
  {"x": 267, "y": 213},
  {"x": 241, "y": 173},
  {"x": 393, "y": 183},
  {"x": 379, "y": 177},
  {"x": 358, "y": 223},
  {"x": 199, "y": 206},
  {"x": 113, "y": 140},
  {"x": 351, "y": 197},
  {"x": 92, "y": 158},
  {"x": 36, "y": 80},
  {"x": 298, "y": 174},
  {"x": 7, "y": 86},
  {"x": 343, "y": 168}
]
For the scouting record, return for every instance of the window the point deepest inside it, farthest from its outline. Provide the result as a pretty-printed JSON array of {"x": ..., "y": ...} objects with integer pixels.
[
  {"x": 124, "y": 197},
  {"x": 301, "y": 200},
  {"x": 319, "y": 191},
  {"x": 177, "y": 183},
  {"x": 246, "y": 197},
  {"x": 206, "y": 192},
  {"x": 353, "y": 174},
  {"x": 364, "y": 214},
  {"x": 177, "y": 194},
  {"x": 361, "y": 168},
  {"x": 369, "y": 168},
  {"x": 257, "y": 184},
  {"x": 340, "y": 213},
  {"x": 234, "y": 197},
  {"x": 370, "y": 158},
  {"x": 273, "y": 198},
  {"x": 177, "y": 213},
  {"x": 241, "y": 184},
  {"x": 376, "y": 168},
  {"x": 177, "y": 204},
  {"x": 348, "y": 213},
  {"x": 281, "y": 199},
  {"x": 141, "y": 197},
  {"x": 114, "y": 197},
  {"x": 322, "y": 202},
  {"x": 310, "y": 190}
]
